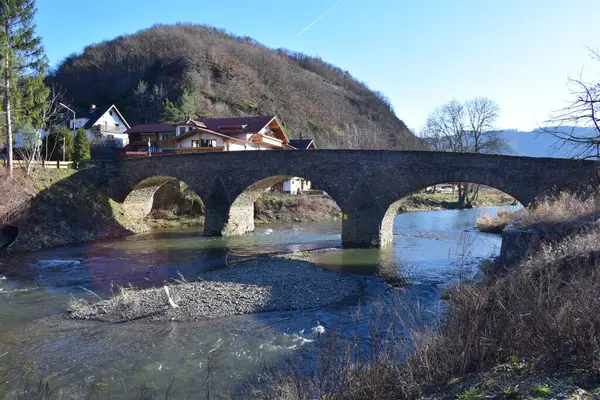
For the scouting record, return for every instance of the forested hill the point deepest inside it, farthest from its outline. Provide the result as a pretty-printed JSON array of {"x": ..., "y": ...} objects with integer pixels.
[{"x": 210, "y": 73}]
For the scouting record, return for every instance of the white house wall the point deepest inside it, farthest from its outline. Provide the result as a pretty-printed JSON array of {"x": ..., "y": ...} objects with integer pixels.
[
  {"x": 239, "y": 147},
  {"x": 187, "y": 142},
  {"x": 292, "y": 186},
  {"x": 111, "y": 122}
]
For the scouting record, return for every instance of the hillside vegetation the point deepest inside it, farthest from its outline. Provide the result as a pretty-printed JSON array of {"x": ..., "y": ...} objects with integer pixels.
[{"x": 218, "y": 74}]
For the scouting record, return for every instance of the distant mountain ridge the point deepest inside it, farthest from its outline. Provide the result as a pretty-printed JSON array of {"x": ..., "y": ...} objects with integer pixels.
[
  {"x": 230, "y": 76},
  {"x": 536, "y": 143}
]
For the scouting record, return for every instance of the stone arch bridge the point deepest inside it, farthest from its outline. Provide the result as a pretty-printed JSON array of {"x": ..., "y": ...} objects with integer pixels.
[{"x": 366, "y": 184}]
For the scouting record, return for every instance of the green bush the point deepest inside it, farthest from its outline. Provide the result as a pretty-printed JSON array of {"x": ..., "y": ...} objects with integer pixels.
[{"x": 81, "y": 148}]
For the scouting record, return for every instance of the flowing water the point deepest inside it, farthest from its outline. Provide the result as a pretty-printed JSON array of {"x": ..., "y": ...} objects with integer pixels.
[{"x": 430, "y": 251}]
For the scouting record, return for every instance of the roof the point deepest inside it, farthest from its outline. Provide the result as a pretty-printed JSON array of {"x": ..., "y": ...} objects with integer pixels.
[
  {"x": 198, "y": 131},
  {"x": 95, "y": 114},
  {"x": 92, "y": 115},
  {"x": 302, "y": 143},
  {"x": 192, "y": 122},
  {"x": 152, "y": 128},
  {"x": 242, "y": 124},
  {"x": 225, "y": 127}
]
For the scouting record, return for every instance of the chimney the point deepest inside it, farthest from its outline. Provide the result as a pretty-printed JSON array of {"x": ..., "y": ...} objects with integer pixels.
[{"x": 92, "y": 108}]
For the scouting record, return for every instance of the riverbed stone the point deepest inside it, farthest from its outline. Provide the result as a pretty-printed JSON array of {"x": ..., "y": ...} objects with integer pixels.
[{"x": 263, "y": 284}]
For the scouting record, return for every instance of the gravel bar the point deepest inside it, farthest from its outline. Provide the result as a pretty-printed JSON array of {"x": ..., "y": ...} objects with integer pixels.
[{"x": 262, "y": 284}]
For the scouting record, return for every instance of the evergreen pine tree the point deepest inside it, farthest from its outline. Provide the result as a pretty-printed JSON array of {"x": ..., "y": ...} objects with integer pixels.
[
  {"x": 187, "y": 106},
  {"x": 81, "y": 146},
  {"x": 21, "y": 52}
]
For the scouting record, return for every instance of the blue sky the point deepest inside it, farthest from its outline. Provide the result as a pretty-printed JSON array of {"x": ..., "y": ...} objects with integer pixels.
[{"x": 419, "y": 53}]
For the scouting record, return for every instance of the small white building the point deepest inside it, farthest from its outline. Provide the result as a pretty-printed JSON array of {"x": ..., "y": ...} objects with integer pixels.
[
  {"x": 293, "y": 186},
  {"x": 105, "y": 126}
]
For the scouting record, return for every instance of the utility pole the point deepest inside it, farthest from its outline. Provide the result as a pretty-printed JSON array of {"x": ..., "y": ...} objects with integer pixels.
[
  {"x": 46, "y": 152},
  {"x": 73, "y": 127}
]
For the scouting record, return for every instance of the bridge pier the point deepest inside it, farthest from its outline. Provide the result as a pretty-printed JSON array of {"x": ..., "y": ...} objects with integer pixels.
[
  {"x": 362, "y": 228},
  {"x": 224, "y": 220}
]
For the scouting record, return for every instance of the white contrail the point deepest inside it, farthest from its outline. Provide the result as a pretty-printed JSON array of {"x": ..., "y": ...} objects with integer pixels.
[{"x": 319, "y": 17}]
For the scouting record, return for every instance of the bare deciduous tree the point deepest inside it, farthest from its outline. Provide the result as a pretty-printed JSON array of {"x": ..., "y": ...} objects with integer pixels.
[
  {"x": 157, "y": 96},
  {"x": 141, "y": 93},
  {"x": 354, "y": 137},
  {"x": 53, "y": 113},
  {"x": 583, "y": 111},
  {"x": 30, "y": 148},
  {"x": 482, "y": 114},
  {"x": 465, "y": 128}
]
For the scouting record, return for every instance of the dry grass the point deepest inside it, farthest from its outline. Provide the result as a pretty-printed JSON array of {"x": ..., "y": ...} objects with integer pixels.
[
  {"x": 545, "y": 312},
  {"x": 172, "y": 219},
  {"x": 15, "y": 193},
  {"x": 489, "y": 224},
  {"x": 563, "y": 213},
  {"x": 559, "y": 215}
]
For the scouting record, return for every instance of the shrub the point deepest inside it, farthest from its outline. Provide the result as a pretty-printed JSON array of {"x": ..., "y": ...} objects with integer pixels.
[
  {"x": 81, "y": 147},
  {"x": 487, "y": 223},
  {"x": 542, "y": 311},
  {"x": 563, "y": 213}
]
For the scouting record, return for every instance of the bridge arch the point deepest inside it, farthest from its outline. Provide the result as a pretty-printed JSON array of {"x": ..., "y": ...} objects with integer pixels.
[
  {"x": 233, "y": 214},
  {"x": 139, "y": 200},
  {"x": 387, "y": 223}
]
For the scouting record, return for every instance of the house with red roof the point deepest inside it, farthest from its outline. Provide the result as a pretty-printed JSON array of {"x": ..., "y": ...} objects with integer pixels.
[
  {"x": 212, "y": 134},
  {"x": 220, "y": 134}
]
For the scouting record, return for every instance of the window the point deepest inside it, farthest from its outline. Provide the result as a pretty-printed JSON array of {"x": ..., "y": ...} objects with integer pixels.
[
  {"x": 209, "y": 143},
  {"x": 162, "y": 137},
  {"x": 180, "y": 130},
  {"x": 195, "y": 143}
]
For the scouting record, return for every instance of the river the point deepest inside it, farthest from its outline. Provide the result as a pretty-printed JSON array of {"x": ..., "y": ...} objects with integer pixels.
[{"x": 430, "y": 251}]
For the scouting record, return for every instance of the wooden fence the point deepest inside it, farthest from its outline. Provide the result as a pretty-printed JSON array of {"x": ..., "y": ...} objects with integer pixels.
[{"x": 43, "y": 164}]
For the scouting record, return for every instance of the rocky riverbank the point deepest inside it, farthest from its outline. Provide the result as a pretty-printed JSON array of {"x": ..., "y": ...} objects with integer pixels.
[
  {"x": 262, "y": 284},
  {"x": 271, "y": 208}
]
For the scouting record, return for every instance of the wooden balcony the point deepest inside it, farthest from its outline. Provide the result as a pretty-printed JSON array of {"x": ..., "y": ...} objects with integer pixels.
[
  {"x": 188, "y": 150},
  {"x": 158, "y": 143},
  {"x": 110, "y": 130},
  {"x": 267, "y": 141}
]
